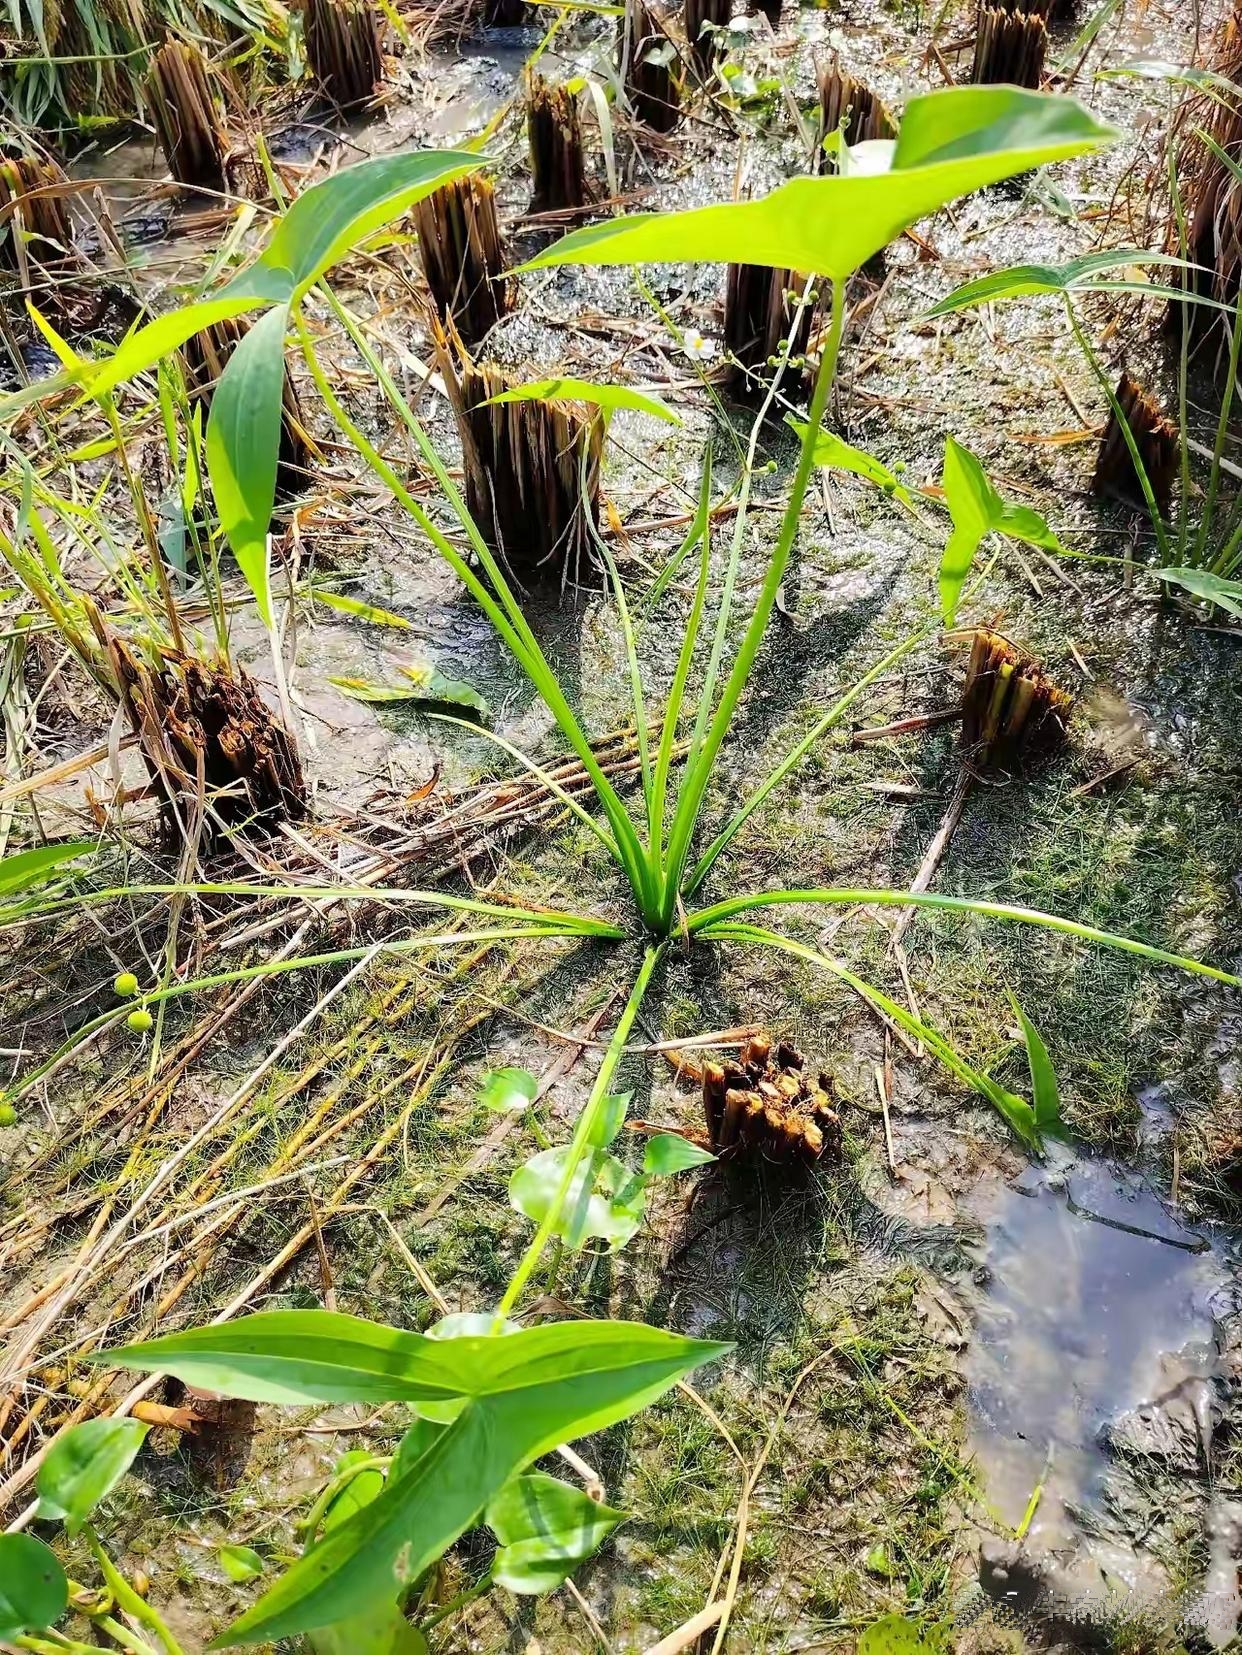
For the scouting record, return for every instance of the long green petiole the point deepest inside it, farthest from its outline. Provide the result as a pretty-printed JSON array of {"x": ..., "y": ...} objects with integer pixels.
[
  {"x": 703, "y": 757},
  {"x": 708, "y": 918},
  {"x": 580, "y": 1142}
]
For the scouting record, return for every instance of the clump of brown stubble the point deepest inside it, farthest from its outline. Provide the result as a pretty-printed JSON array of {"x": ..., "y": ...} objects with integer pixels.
[
  {"x": 1158, "y": 443},
  {"x": 204, "y": 357},
  {"x": 1010, "y": 48},
  {"x": 213, "y": 748},
  {"x": 557, "y": 159},
  {"x": 1013, "y": 715},
  {"x": 649, "y": 66},
  {"x": 763, "y": 309},
  {"x": 183, "y": 97},
  {"x": 532, "y": 471},
  {"x": 344, "y": 51},
  {"x": 1211, "y": 196},
  {"x": 765, "y": 1105},
  {"x": 463, "y": 255},
  {"x": 35, "y": 229}
]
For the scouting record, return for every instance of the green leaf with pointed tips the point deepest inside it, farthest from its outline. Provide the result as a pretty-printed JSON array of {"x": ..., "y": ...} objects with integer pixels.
[{"x": 951, "y": 143}]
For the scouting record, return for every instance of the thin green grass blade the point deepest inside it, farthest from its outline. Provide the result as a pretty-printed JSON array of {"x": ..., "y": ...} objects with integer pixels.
[
  {"x": 1016, "y": 1111},
  {"x": 554, "y": 787},
  {"x": 676, "y": 695},
  {"x": 528, "y": 655},
  {"x": 794, "y": 757},
  {"x": 884, "y": 898}
]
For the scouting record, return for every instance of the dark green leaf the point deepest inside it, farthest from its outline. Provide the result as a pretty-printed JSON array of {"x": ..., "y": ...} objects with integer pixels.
[
  {"x": 243, "y": 445},
  {"x": 951, "y": 142},
  {"x": 667, "y": 1153},
  {"x": 33, "y": 1590},
  {"x": 545, "y": 1528},
  {"x": 84, "y": 1465},
  {"x": 505, "y": 1089},
  {"x": 26, "y": 868},
  {"x": 1225, "y": 594},
  {"x": 536, "y": 1388}
]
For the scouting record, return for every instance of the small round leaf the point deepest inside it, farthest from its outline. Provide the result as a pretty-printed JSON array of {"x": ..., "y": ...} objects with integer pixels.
[{"x": 505, "y": 1089}]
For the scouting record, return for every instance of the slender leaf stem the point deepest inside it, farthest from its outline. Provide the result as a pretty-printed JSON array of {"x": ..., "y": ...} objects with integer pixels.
[
  {"x": 708, "y": 918},
  {"x": 1017, "y": 1112},
  {"x": 820, "y": 728},
  {"x": 581, "y": 1139},
  {"x": 699, "y": 766}
]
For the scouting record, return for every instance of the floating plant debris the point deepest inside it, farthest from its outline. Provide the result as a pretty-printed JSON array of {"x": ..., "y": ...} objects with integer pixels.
[
  {"x": 532, "y": 474},
  {"x": 35, "y": 228},
  {"x": 1156, "y": 438},
  {"x": 650, "y": 67},
  {"x": 1010, "y": 48},
  {"x": 181, "y": 93},
  {"x": 761, "y": 305},
  {"x": 849, "y": 106},
  {"x": 1012, "y": 712},
  {"x": 463, "y": 256},
  {"x": 766, "y": 1104},
  {"x": 204, "y": 356},
  {"x": 554, "y": 132},
  {"x": 343, "y": 50}
]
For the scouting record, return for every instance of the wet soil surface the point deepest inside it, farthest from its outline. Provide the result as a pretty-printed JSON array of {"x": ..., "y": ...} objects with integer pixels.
[{"x": 1030, "y": 1376}]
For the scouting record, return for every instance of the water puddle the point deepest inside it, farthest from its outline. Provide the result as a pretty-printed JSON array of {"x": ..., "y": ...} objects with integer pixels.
[{"x": 1105, "y": 1345}]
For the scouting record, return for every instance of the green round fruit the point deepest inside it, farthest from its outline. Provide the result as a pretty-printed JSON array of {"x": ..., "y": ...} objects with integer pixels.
[
  {"x": 7, "y": 1114},
  {"x": 126, "y": 985},
  {"x": 141, "y": 1021}
]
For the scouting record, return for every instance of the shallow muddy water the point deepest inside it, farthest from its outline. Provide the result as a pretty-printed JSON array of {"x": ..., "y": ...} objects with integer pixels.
[{"x": 1101, "y": 1360}]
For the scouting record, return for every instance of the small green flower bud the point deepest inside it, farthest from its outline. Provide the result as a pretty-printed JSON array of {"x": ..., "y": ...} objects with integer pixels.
[
  {"x": 7, "y": 1114},
  {"x": 141, "y": 1021},
  {"x": 126, "y": 985}
]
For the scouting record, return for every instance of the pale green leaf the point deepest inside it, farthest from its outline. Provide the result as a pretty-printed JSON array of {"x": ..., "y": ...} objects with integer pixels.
[
  {"x": 358, "y": 608},
  {"x": 977, "y": 509},
  {"x": 26, "y": 868},
  {"x": 424, "y": 685},
  {"x": 604, "y": 1198},
  {"x": 145, "y": 346},
  {"x": 1020, "y": 280},
  {"x": 610, "y": 397},
  {"x": 610, "y": 1119},
  {"x": 240, "y": 1563},
  {"x": 836, "y": 454},
  {"x": 1216, "y": 589},
  {"x": 505, "y": 1089},
  {"x": 951, "y": 142},
  {"x": 546, "y": 1528},
  {"x": 84, "y": 1465},
  {"x": 668, "y": 1153},
  {"x": 243, "y": 446}
]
